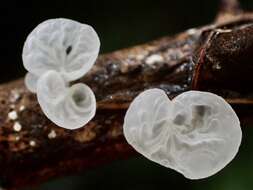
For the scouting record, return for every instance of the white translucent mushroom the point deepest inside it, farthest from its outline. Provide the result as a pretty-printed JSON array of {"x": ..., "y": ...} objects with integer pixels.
[
  {"x": 55, "y": 53},
  {"x": 62, "y": 45},
  {"x": 69, "y": 107},
  {"x": 196, "y": 134}
]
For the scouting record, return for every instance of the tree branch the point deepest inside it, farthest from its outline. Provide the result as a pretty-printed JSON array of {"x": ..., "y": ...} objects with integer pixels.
[{"x": 216, "y": 58}]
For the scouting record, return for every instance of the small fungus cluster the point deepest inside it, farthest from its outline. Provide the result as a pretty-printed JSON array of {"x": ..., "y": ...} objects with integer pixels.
[
  {"x": 196, "y": 134},
  {"x": 55, "y": 53}
]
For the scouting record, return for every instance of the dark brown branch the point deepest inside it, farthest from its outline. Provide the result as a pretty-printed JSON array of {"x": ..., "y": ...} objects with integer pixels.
[{"x": 216, "y": 58}]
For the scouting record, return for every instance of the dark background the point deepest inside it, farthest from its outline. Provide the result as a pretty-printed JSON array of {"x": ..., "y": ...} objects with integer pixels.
[{"x": 121, "y": 24}]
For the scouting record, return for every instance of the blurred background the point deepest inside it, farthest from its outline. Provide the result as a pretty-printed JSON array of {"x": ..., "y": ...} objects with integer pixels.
[{"x": 122, "y": 24}]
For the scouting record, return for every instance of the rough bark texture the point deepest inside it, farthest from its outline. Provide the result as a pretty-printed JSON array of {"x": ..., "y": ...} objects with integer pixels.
[{"x": 217, "y": 58}]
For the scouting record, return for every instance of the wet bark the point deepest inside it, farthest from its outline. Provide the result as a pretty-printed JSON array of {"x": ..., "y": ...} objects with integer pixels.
[{"x": 216, "y": 58}]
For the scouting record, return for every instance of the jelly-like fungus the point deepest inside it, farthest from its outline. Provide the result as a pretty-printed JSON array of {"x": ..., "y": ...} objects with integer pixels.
[{"x": 196, "y": 134}]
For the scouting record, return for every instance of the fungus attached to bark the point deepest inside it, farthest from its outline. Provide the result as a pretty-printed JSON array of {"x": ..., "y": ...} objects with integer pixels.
[
  {"x": 196, "y": 134},
  {"x": 62, "y": 45},
  {"x": 55, "y": 53},
  {"x": 70, "y": 107}
]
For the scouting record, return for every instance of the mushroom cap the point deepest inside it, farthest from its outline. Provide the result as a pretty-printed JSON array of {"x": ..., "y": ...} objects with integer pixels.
[
  {"x": 196, "y": 134},
  {"x": 68, "y": 107},
  {"x": 62, "y": 45}
]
